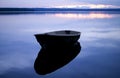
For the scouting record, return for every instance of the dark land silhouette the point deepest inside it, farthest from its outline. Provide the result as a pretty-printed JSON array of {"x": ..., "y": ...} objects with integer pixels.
[{"x": 54, "y": 10}]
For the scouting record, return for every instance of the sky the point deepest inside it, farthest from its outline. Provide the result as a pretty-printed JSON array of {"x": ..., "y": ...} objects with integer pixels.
[{"x": 61, "y": 3}]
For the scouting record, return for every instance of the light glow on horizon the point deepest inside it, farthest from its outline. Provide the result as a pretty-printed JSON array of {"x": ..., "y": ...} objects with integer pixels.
[
  {"x": 85, "y": 16},
  {"x": 60, "y": 3},
  {"x": 87, "y": 6}
]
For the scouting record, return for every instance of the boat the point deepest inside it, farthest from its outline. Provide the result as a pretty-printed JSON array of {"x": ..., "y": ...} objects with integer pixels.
[{"x": 58, "y": 38}]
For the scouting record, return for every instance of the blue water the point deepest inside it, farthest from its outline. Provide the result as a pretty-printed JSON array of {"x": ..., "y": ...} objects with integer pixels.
[{"x": 100, "y": 42}]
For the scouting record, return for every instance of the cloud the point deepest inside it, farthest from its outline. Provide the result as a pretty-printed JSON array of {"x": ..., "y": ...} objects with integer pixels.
[
  {"x": 106, "y": 2},
  {"x": 20, "y": 3},
  {"x": 51, "y": 3},
  {"x": 87, "y": 5}
]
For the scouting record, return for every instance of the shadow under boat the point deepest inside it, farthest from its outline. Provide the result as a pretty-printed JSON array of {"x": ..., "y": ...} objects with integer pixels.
[
  {"x": 58, "y": 49},
  {"x": 53, "y": 58}
]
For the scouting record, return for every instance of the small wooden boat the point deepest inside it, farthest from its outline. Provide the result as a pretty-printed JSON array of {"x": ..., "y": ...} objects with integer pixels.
[{"x": 58, "y": 38}]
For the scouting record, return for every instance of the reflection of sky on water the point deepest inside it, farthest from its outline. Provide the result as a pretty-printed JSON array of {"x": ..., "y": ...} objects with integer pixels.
[
  {"x": 85, "y": 16},
  {"x": 100, "y": 40}
]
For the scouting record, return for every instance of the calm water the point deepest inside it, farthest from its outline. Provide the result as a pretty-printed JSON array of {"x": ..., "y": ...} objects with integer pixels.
[{"x": 100, "y": 42}]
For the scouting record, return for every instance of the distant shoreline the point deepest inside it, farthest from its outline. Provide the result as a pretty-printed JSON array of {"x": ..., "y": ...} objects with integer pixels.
[{"x": 54, "y": 10}]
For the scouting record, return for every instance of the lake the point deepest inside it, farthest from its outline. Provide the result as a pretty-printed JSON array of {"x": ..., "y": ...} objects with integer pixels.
[{"x": 100, "y": 44}]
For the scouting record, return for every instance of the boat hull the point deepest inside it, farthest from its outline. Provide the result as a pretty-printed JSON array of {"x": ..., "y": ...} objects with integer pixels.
[{"x": 50, "y": 39}]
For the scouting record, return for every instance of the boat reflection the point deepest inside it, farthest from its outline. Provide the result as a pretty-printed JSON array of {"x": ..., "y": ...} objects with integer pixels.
[{"x": 52, "y": 58}]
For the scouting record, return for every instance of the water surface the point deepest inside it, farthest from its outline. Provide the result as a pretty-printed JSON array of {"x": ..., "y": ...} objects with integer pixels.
[{"x": 100, "y": 42}]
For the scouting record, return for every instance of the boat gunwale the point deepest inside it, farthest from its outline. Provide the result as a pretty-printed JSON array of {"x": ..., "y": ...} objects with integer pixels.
[{"x": 55, "y": 33}]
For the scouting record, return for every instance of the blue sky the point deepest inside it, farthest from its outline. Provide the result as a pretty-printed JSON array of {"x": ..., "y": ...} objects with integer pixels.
[{"x": 59, "y": 3}]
